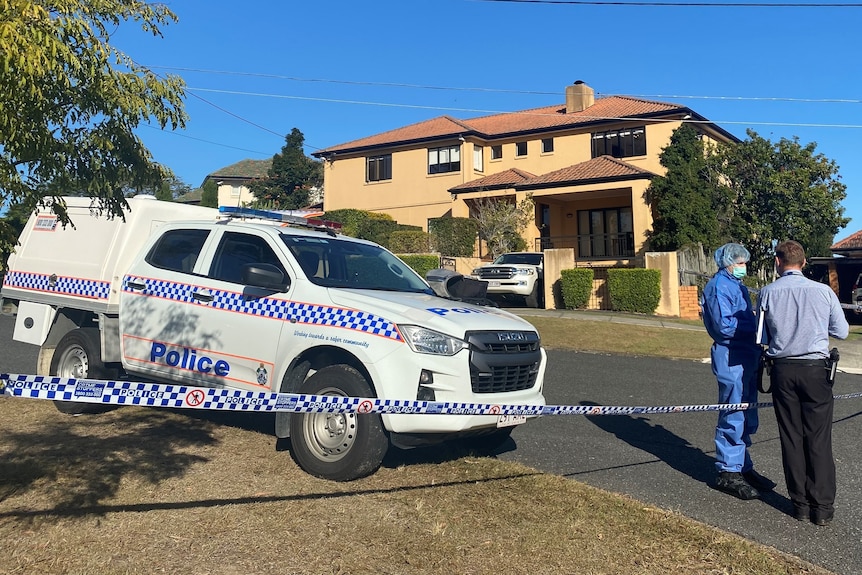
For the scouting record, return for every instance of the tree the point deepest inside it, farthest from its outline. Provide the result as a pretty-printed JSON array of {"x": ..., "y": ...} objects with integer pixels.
[
  {"x": 70, "y": 102},
  {"x": 688, "y": 205},
  {"x": 501, "y": 221},
  {"x": 11, "y": 225},
  {"x": 209, "y": 194},
  {"x": 290, "y": 177},
  {"x": 782, "y": 191}
]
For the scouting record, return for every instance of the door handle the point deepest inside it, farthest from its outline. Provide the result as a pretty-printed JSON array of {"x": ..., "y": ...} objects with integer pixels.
[
  {"x": 202, "y": 296},
  {"x": 136, "y": 285}
]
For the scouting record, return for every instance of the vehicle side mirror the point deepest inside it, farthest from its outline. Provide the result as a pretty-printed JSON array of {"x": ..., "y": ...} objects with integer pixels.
[{"x": 265, "y": 276}]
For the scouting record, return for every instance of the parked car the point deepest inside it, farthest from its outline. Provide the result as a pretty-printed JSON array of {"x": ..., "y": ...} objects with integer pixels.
[
  {"x": 856, "y": 295},
  {"x": 515, "y": 275}
]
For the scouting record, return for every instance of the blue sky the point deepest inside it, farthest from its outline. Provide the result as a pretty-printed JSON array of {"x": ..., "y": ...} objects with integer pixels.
[{"x": 340, "y": 70}]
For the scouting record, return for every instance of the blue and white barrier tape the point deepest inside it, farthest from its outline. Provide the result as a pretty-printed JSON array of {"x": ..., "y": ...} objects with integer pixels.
[{"x": 190, "y": 397}]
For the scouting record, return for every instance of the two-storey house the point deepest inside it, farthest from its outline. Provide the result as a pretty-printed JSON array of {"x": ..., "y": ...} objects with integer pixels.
[{"x": 586, "y": 163}]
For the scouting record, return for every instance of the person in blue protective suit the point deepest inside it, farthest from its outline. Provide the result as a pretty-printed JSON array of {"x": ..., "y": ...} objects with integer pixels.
[{"x": 730, "y": 321}]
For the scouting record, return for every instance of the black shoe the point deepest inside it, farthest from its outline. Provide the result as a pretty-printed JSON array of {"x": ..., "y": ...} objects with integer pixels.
[
  {"x": 822, "y": 517},
  {"x": 801, "y": 512},
  {"x": 758, "y": 481},
  {"x": 734, "y": 483}
]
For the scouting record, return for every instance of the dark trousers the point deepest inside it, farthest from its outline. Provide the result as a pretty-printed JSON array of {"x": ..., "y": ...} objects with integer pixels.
[{"x": 803, "y": 404}]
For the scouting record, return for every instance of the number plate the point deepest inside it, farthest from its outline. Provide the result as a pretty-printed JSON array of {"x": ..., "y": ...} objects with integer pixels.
[
  {"x": 510, "y": 420},
  {"x": 493, "y": 283}
]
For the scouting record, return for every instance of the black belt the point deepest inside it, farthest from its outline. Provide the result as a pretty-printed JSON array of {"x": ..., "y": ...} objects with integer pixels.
[{"x": 799, "y": 362}]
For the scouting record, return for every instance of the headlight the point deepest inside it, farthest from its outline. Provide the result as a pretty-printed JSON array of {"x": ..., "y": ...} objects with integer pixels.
[
  {"x": 525, "y": 271},
  {"x": 422, "y": 340}
]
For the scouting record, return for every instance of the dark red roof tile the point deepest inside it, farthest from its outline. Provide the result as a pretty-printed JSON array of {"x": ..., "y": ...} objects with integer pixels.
[
  {"x": 852, "y": 242},
  {"x": 505, "y": 179},
  {"x": 498, "y": 125}
]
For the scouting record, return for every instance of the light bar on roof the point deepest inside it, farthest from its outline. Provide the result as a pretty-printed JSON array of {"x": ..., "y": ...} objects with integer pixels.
[{"x": 278, "y": 216}]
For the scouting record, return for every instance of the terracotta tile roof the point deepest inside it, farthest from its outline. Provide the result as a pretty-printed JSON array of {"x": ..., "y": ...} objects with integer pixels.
[
  {"x": 507, "y": 124},
  {"x": 248, "y": 169},
  {"x": 441, "y": 126},
  {"x": 597, "y": 169},
  {"x": 603, "y": 168},
  {"x": 852, "y": 242},
  {"x": 501, "y": 180}
]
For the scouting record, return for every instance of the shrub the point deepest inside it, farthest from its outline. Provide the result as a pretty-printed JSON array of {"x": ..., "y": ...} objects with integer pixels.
[
  {"x": 576, "y": 287},
  {"x": 421, "y": 263},
  {"x": 454, "y": 237},
  {"x": 410, "y": 242},
  {"x": 352, "y": 219},
  {"x": 635, "y": 290}
]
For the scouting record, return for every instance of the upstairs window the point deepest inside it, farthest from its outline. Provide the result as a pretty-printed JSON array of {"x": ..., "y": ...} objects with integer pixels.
[
  {"x": 496, "y": 152},
  {"x": 623, "y": 143},
  {"x": 547, "y": 145},
  {"x": 378, "y": 168},
  {"x": 479, "y": 158},
  {"x": 520, "y": 149},
  {"x": 443, "y": 160}
]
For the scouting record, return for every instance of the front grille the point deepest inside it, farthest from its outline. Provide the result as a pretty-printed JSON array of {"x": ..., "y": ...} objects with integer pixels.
[
  {"x": 496, "y": 273},
  {"x": 503, "y": 361}
]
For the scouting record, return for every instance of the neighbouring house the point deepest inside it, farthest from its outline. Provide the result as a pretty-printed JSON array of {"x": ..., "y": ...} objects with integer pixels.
[
  {"x": 586, "y": 163},
  {"x": 842, "y": 269},
  {"x": 233, "y": 181}
]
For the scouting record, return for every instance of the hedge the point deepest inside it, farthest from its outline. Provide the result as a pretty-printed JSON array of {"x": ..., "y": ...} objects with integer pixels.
[
  {"x": 421, "y": 263},
  {"x": 634, "y": 290},
  {"x": 454, "y": 236},
  {"x": 410, "y": 242},
  {"x": 576, "y": 287}
]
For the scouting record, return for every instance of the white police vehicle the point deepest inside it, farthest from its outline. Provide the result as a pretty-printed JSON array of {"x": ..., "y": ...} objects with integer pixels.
[{"x": 267, "y": 302}]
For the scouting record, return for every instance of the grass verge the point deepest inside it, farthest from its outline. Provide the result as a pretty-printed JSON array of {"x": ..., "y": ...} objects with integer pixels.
[{"x": 155, "y": 491}]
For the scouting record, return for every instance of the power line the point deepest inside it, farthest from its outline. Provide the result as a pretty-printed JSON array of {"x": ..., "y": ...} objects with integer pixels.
[
  {"x": 685, "y": 4},
  {"x": 509, "y": 91},
  {"x": 482, "y": 111}
]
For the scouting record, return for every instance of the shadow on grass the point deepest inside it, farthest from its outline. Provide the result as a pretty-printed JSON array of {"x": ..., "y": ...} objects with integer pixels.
[{"x": 80, "y": 461}]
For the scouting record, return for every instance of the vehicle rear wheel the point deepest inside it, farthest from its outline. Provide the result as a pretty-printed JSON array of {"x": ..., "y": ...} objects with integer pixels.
[
  {"x": 78, "y": 355},
  {"x": 338, "y": 446}
]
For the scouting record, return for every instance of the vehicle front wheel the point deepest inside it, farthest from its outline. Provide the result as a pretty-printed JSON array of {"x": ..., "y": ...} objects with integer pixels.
[
  {"x": 535, "y": 299},
  {"x": 78, "y": 355},
  {"x": 338, "y": 446}
]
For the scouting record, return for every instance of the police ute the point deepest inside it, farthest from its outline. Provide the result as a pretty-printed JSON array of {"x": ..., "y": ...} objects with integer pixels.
[{"x": 260, "y": 300}]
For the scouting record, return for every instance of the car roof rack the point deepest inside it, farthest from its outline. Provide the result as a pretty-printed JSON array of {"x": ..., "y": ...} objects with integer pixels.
[{"x": 331, "y": 228}]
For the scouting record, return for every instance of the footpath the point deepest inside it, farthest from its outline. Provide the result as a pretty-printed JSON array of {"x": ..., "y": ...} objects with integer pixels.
[{"x": 850, "y": 349}]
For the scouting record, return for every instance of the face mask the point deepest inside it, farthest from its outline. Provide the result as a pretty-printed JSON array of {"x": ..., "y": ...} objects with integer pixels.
[{"x": 739, "y": 272}]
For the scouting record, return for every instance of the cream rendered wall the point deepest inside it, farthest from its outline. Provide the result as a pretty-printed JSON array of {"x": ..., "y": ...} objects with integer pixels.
[
  {"x": 226, "y": 198},
  {"x": 412, "y": 195}
]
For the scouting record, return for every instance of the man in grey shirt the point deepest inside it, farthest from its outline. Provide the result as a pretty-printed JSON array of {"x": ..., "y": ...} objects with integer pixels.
[{"x": 797, "y": 317}]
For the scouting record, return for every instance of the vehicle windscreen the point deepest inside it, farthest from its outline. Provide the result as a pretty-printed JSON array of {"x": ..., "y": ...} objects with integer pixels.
[
  {"x": 332, "y": 262},
  {"x": 528, "y": 259}
]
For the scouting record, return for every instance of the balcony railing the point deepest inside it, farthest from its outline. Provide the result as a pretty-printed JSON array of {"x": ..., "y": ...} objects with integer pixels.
[{"x": 592, "y": 246}]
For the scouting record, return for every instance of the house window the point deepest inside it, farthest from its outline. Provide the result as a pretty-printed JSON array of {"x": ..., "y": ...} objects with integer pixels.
[
  {"x": 445, "y": 159},
  {"x": 496, "y": 152},
  {"x": 478, "y": 158},
  {"x": 547, "y": 145},
  {"x": 235, "y": 191},
  {"x": 520, "y": 149},
  {"x": 623, "y": 143},
  {"x": 378, "y": 168},
  {"x": 606, "y": 233}
]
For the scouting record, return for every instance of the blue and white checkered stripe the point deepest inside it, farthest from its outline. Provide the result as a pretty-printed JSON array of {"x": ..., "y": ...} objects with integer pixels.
[
  {"x": 92, "y": 289},
  {"x": 273, "y": 308},
  {"x": 183, "y": 396}
]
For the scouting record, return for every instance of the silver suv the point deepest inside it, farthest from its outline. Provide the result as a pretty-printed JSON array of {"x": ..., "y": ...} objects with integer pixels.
[{"x": 516, "y": 274}]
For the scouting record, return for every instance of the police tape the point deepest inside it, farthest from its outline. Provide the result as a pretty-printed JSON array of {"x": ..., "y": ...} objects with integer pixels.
[{"x": 105, "y": 392}]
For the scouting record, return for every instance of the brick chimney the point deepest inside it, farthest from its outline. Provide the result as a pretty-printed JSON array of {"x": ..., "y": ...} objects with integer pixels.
[{"x": 579, "y": 97}]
